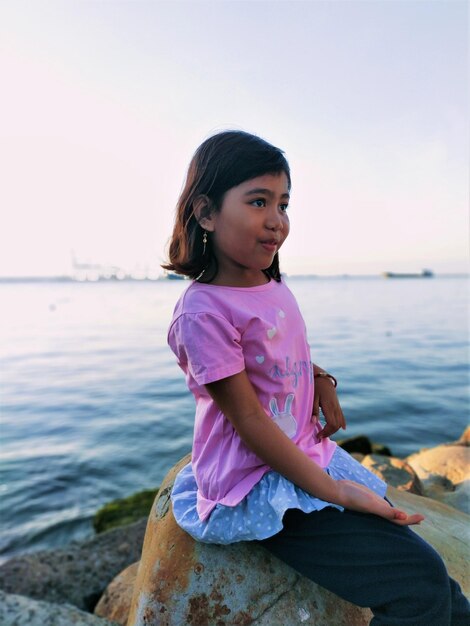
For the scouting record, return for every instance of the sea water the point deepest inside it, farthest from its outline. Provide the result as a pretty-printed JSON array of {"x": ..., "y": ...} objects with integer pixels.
[{"x": 94, "y": 406}]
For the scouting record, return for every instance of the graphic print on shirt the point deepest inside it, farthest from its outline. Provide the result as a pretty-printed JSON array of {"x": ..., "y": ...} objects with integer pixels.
[
  {"x": 285, "y": 420},
  {"x": 294, "y": 371},
  {"x": 271, "y": 332}
]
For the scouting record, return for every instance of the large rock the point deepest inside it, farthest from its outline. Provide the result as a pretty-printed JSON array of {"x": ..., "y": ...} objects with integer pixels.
[
  {"x": 79, "y": 572},
  {"x": 17, "y": 610},
  {"x": 180, "y": 581},
  {"x": 444, "y": 472},
  {"x": 445, "y": 528}
]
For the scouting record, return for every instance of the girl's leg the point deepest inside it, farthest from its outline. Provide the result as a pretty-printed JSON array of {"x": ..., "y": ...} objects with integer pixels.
[
  {"x": 460, "y": 611},
  {"x": 372, "y": 563}
]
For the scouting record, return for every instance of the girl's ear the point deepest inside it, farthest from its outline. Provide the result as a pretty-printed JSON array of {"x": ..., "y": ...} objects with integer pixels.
[{"x": 204, "y": 213}]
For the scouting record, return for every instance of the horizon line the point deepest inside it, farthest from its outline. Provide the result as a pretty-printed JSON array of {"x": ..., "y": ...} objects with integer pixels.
[{"x": 129, "y": 278}]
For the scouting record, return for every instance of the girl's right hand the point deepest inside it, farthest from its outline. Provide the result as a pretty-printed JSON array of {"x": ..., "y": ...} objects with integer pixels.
[{"x": 359, "y": 498}]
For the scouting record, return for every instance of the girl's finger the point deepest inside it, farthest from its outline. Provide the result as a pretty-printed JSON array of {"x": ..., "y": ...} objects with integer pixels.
[
  {"x": 328, "y": 430},
  {"x": 400, "y": 517}
]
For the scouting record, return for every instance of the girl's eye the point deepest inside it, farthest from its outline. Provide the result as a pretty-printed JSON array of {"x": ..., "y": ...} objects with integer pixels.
[
  {"x": 259, "y": 203},
  {"x": 284, "y": 207}
]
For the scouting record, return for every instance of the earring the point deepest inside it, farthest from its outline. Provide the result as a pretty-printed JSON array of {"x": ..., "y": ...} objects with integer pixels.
[{"x": 204, "y": 242}]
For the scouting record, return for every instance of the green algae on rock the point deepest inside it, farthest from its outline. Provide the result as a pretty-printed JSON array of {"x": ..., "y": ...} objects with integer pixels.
[{"x": 124, "y": 511}]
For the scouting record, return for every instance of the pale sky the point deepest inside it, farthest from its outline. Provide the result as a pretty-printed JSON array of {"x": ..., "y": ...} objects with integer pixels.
[{"x": 103, "y": 103}]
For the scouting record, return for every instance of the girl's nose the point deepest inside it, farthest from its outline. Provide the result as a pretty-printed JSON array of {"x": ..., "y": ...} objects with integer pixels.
[{"x": 274, "y": 220}]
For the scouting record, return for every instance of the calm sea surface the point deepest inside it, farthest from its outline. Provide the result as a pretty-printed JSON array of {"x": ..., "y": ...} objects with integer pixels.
[{"x": 94, "y": 407}]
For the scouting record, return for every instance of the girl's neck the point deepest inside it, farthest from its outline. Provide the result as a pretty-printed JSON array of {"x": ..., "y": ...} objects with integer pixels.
[{"x": 248, "y": 279}]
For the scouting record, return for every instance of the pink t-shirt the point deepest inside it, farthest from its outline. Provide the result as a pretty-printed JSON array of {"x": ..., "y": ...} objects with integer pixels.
[{"x": 217, "y": 332}]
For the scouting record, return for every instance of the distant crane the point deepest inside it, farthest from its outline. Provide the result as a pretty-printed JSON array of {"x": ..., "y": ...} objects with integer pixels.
[{"x": 94, "y": 271}]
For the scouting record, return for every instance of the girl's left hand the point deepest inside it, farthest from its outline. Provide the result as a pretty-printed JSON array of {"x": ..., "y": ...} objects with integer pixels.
[
  {"x": 359, "y": 498},
  {"x": 326, "y": 399}
]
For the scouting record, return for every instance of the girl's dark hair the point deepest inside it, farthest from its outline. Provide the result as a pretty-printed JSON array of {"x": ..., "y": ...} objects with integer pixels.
[{"x": 221, "y": 162}]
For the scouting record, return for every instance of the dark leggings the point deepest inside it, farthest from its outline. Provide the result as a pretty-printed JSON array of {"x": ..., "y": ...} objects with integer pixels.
[{"x": 374, "y": 563}]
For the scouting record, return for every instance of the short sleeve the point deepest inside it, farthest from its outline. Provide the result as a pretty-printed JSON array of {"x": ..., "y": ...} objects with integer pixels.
[{"x": 207, "y": 346}]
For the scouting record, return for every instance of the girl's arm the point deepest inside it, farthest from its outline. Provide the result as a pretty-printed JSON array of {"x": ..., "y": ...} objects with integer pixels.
[{"x": 238, "y": 401}]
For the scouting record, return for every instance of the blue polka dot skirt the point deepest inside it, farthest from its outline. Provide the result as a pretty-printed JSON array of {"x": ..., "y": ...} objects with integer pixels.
[{"x": 259, "y": 515}]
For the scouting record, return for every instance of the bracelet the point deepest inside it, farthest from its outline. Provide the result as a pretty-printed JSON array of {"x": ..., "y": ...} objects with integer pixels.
[{"x": 326, "y": 375}]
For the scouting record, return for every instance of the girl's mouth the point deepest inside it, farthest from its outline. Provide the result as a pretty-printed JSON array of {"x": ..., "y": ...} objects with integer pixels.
[{"x": 270, "y": 246}]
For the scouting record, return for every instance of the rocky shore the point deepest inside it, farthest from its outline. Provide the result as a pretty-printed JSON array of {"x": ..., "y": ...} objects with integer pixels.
[{"x": 91, "y": 582}]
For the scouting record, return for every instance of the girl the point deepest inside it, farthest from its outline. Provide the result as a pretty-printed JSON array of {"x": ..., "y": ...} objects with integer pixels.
[{"x": 263, "y": 468}]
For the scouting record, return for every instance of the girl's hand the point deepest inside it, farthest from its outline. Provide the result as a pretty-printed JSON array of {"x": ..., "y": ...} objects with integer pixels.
[
  {"x": 326, "y": 399},
  {"x": 359, "y": 498}
]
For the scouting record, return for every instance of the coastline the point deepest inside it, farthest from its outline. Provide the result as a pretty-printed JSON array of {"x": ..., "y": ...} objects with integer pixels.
[{"x": 81, "y": 573}]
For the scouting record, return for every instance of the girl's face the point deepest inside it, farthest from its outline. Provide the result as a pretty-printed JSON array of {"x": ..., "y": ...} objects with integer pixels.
[{"x": 249, "y": 229}]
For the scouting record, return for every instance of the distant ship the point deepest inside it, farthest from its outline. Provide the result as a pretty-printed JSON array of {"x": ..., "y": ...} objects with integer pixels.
[{"x": 422, "y": 274}]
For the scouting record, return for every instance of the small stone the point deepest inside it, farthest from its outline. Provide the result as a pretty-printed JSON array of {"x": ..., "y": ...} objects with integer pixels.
[
  {"x": 444, "y": 472},
  {"x": 363, "y": 445},
  {"x": 395, "y": 472},
  {"x": 465, "y": 437},
  {"x": 115, "y": 602}
]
